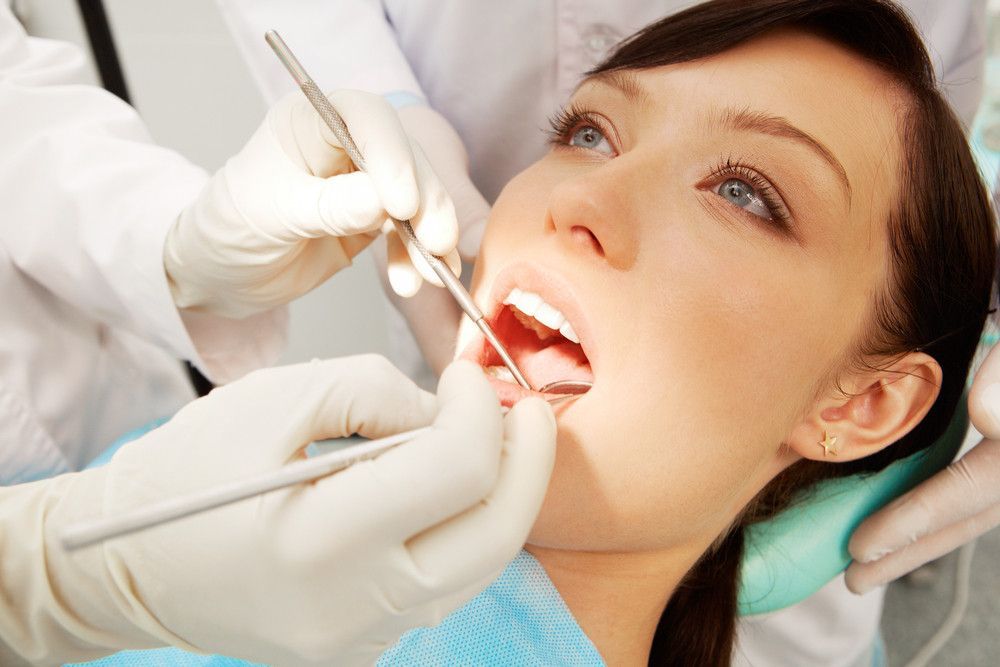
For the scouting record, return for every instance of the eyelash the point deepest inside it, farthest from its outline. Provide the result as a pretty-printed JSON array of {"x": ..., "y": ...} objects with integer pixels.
[
  {"x": 569, "y": 119},
  {"x": 729, "y": 168}
]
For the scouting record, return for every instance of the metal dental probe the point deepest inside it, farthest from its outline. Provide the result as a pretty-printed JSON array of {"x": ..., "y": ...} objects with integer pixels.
[{"x": 403, "y": 227}]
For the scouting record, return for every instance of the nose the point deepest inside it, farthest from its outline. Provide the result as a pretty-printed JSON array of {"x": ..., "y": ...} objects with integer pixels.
[{"x": 591, "y": 214}]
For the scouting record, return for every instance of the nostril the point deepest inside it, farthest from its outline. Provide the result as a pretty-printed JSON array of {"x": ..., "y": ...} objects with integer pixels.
[{"x": 586, "y": 237}]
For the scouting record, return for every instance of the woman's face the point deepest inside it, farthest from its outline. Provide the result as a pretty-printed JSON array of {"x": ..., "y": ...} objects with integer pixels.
[{"x": 713, "y": 233}]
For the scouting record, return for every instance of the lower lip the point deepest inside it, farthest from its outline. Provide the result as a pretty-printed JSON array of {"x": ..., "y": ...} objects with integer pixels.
[{"x": 510, "y": 393}]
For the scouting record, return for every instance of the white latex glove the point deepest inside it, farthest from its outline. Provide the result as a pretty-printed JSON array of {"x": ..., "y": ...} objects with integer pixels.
[
  {"x": 334, "y": 570},
  {"x": 950, "y": 509},
  {"x": 431, "y": 313},
  {"x": 450, "y": 161},
  {"x": 288, "y": 211}
]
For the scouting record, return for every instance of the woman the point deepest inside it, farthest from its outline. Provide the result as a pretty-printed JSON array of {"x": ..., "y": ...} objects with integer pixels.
[
  {"x": 523, "y": 59},
  {"x": 775, "y": 271},
  {"x": 783, "y": 252}
]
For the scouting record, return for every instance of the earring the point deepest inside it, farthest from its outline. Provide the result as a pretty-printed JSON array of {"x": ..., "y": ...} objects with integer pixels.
[{"x": 829, "y": 444}]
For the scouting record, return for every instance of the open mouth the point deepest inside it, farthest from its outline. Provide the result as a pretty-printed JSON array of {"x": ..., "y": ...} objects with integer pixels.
[{"x": 540, "y": 339}]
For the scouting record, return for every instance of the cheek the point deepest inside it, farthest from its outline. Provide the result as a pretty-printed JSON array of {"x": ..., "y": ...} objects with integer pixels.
[
  {"x": 518, "y": 214},
  {"x": 521, "y": 205},
  {"x": 745, "y": 323}
]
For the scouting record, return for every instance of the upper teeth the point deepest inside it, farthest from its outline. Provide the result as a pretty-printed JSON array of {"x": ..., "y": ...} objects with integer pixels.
[{"x": 531, "y": 304}]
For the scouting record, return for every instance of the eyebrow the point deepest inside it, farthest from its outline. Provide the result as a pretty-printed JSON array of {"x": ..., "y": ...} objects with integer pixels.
[
  {"x": 737, "y": 119},
  {"x": 776, "y": 126}
]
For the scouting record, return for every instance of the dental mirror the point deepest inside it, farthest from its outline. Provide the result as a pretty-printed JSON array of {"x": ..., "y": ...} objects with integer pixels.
[{"x": 569, "y": 387}]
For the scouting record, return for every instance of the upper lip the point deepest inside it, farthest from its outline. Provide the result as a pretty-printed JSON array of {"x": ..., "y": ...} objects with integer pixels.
[{"x": 554, "y": 289}]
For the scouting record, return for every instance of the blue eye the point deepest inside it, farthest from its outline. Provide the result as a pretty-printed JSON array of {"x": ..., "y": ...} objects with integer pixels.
[
  {"x": 743, "y": 195},
  {"x": 589, "y": 137}
]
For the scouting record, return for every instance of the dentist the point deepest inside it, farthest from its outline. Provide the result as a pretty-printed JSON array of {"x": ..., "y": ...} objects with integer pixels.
[{"x": 118, "y": 256}]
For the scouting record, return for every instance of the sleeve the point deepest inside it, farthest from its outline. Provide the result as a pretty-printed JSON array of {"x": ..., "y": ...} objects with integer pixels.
[
  {"x": 87, "y": 200},
  {"x": 343, "y": 44},
  {"x": 58, "y": 606}
]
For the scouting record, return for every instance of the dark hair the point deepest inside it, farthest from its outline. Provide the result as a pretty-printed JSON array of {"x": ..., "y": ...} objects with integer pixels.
[{"x": 941, "y": 254}]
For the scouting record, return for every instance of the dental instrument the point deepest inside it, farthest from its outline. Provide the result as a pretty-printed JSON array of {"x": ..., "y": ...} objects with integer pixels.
[
  {"x": 87, "y": 533},
  {"x": 403, "y": 227},
  {"x": 569, "y": 387},
  {"x": 92, "y": 532}
]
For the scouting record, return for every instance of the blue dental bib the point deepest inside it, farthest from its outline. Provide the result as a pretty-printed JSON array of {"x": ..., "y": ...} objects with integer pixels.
[{"x": 519, "y": 619}]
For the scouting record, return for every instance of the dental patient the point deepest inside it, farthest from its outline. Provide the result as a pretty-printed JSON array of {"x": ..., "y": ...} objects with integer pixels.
[{"x": 761, "y": 234}]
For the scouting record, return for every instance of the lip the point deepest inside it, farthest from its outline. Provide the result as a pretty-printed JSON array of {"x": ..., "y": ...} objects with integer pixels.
[{"x": 554, "y": 289}]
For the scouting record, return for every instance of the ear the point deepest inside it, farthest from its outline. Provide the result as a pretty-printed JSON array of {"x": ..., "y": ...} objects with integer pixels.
[{"x": 881, "y": 407}]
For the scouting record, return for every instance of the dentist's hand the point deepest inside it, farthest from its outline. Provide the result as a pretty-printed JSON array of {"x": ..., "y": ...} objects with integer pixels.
[
  {"x": 331, "y": 571},
  {"x": 288, "y": 211},
  {"x": 450, "y": 161},
  {"x": 954, "y": 507},
  {"x": 431, "y": 313}
]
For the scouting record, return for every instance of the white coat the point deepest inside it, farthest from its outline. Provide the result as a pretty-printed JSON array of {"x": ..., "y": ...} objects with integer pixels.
[
  {"x": 497, "y": 71},
  {"x": 90, "y": 340}
]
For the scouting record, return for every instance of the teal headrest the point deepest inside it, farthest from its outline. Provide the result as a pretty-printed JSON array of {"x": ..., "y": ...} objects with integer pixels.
[{"x": 793, "y": 555}]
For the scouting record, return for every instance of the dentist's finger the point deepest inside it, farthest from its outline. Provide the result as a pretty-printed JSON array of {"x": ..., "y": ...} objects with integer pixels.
[
  {"x": 407, "y": 267},
  {"x": 346, "y": 205},
  {"x": 958, "y": 492},
  {"x": 435, "y": 224},
  {"x": 434, "y": 477},
  {"x": 385, "y": 146},
  {"x": 863, "y": 577},
  {"x": 298, "y": 404},
  {"x": 486, "y": 537},
  {"x": 471, "y": 239},
  {"x": 406, "y": 184},
  {"x": 420, "y": 265},
  {"x": 403, "y": 278}
]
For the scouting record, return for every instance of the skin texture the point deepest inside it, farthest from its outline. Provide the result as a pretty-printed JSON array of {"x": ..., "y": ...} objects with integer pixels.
[{"x": 718, "y": 341}]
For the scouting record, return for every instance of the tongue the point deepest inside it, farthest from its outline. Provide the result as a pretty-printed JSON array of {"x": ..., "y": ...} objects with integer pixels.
[{"x": 561, "y": 361}]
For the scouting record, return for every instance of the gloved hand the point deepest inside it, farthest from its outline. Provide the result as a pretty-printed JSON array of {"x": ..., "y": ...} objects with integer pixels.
[
  {"x": 954, "y": 507},
  {"x": 431, "y": 313},
  {"x": 334, "y": 570},
  {"x": 288, "y": 211},
  {"x": 447, "y": 156}
]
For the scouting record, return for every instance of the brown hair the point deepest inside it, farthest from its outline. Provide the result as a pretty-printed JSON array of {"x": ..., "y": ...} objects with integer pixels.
[{"x": 941, "y": 252}]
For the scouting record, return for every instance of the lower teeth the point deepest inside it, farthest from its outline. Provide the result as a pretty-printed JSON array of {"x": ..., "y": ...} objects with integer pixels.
[{"x": 501, "y": 373}]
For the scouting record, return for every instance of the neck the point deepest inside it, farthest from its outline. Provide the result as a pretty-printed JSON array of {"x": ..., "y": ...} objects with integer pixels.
[{"x": 616, "y": 598}]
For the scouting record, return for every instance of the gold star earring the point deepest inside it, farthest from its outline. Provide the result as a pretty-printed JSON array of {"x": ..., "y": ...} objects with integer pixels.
[{"x": 829, "y": 444}]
